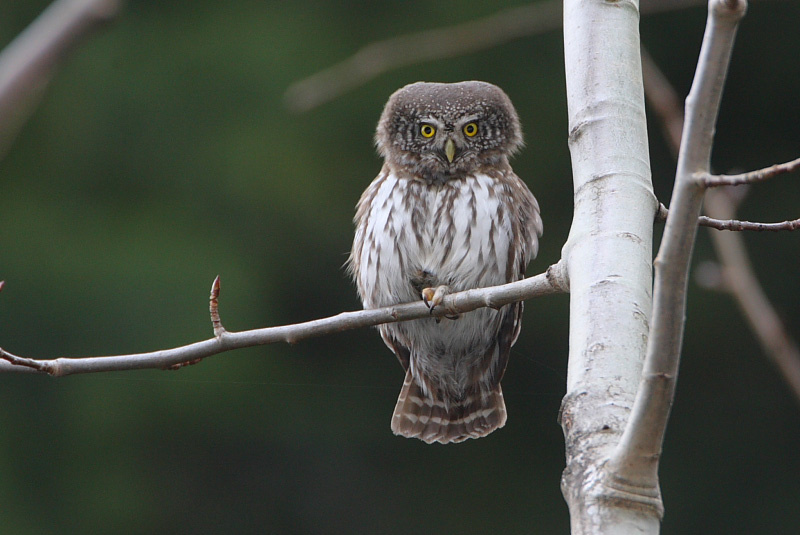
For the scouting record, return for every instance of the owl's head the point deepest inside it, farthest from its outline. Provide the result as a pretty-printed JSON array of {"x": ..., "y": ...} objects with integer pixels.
[{"x": 442, "y": 131}]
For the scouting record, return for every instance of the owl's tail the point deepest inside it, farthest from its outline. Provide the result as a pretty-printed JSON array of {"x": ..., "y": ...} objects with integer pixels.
[{"x": 417, "y": 415}]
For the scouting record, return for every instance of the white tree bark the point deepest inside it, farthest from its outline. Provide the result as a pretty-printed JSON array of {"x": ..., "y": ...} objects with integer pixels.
[
  {"x": 613, "y": 438},
  {"x": 609, "y": 262}
]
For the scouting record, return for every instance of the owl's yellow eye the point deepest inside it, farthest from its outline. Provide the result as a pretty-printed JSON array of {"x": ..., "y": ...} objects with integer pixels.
[
  {"x": 427, "y": 130},
  {"x": 470, "y": 129}
]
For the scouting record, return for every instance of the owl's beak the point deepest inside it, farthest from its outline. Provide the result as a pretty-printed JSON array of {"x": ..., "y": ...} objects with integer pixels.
[{"x": 450, "y": 150}]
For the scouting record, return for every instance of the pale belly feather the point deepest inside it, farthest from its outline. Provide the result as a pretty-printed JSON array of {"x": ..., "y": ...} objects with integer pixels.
[{"x": 418, "y": 235}]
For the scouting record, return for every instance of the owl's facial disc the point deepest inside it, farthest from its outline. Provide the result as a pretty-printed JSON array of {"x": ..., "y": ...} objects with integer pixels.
[
  {"x": 444, "y": 152},
  {"x": 440, "y": 132},
  {"x": 444, "y": 140}
]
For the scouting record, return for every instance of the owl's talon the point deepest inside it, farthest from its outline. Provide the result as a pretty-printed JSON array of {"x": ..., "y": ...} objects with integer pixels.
[
  {"x": 432, "y": 297},
  {"x": 427, "y": 295}
]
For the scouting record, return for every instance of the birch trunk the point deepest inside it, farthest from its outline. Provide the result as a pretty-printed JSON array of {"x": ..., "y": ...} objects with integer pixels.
[{"x": 608, "y": 257}]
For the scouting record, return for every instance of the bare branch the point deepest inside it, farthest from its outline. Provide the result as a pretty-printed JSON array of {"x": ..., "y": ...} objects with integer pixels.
[
  {"x": 450, "y": 41},
  {"x": 29, "y": 62},
  {"x": 712, "y": 181},
  {"x": 550, "y": 282},
  {"x": 738, "y": 275},
  {"x": 733, "y": 224},
  {"x": 21, "y": 363},
  {"x": 639, "y": 449},
  {"x": 382, "y": 56},
  {"x": 741, "y": 281}
]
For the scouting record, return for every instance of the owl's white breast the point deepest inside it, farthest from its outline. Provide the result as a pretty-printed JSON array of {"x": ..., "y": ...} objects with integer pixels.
[{"x": 456, "y": 234}]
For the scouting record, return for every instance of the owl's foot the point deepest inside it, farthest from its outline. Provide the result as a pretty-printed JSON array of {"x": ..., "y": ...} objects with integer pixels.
[{"x": 432, "y": 297}]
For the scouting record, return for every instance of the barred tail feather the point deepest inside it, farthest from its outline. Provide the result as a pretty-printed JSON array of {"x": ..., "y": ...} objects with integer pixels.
[{"x": 418, "y": 415}]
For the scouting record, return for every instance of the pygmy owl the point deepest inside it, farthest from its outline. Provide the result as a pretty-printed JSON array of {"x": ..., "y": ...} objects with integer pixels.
[{"x": 446, "y": 213}]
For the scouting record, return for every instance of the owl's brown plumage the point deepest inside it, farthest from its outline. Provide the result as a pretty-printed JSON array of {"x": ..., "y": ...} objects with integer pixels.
[{"x": 446, "y": 213}]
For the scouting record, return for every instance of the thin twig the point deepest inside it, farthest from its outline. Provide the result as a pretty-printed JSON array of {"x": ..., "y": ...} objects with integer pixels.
[
  {"x": 381, "y": 56},
  {"x": 28, "y": 63},
  {"x": 713, "y": 181},
  {"x": 547, "y": 283},
  {"x": 449, "y": 41},
  {"x": 733, "y": 224}
]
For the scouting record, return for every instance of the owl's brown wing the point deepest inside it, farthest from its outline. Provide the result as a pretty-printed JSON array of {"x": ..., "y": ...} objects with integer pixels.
[
  {"x": 494, "y": 363},
  {"x": 403, "y": 353}
]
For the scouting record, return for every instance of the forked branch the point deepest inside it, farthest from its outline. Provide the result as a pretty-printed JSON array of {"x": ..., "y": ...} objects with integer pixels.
[
  {"x": 739, "y": 277},
  {"x": 635, "y": 458}
]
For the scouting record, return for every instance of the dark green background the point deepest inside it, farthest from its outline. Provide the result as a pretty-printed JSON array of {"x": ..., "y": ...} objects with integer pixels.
[{"x": 163, "y": 155}]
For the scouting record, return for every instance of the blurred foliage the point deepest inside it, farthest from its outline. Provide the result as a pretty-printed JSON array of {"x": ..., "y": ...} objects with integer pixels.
[{"x": 162, "y": 155}]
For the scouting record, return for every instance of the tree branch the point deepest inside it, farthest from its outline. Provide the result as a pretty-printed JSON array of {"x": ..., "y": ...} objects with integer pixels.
[
  {"x": 636, "y": 456},
  {"x": 734, "y": 224},
  {"x": 28, "y": 63},
  {"x": 551, "y": 282},
  {"x": 713, "y": 181},
  {"x": 382, "y": 56},
  {"x": 740, "y": 278}
]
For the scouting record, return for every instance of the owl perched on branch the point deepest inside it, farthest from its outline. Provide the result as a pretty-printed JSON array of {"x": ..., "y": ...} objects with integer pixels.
[{"x": 445, "y": 214}]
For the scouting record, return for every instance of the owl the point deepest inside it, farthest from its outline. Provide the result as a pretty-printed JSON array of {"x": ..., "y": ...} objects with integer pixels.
[{"x": 445, "y": 214}]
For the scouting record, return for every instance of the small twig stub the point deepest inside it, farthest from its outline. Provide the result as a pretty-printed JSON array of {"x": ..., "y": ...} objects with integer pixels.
[{"x": 213, "y": 307}]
